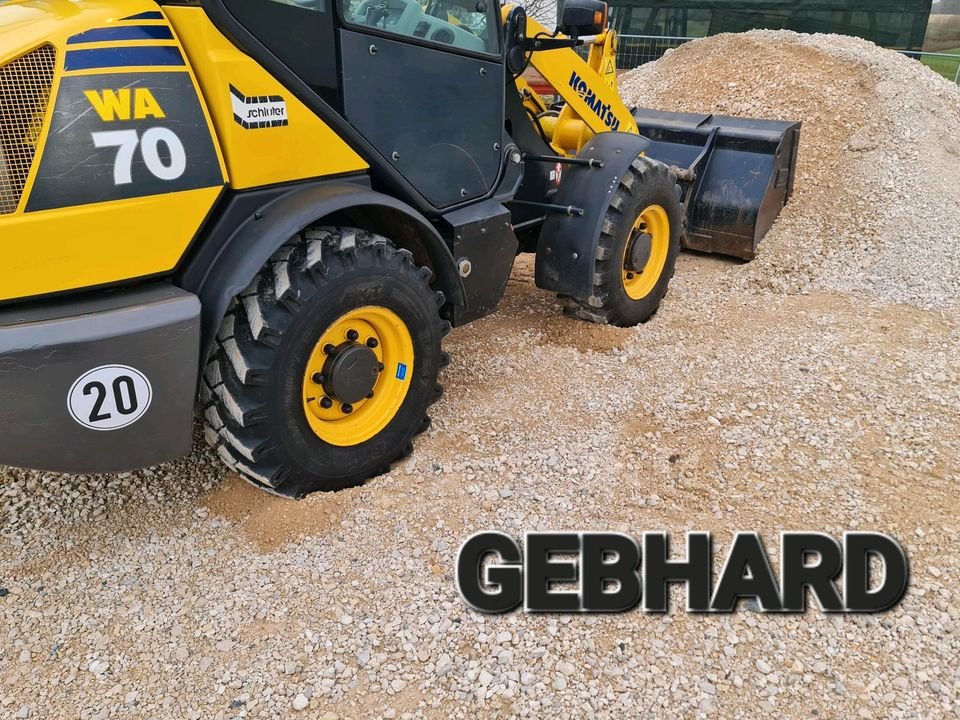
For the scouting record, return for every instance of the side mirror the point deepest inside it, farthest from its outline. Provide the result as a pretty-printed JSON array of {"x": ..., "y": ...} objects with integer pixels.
[
  {"x": 583, "y": 17},
  {"x": 515, "y": 32}
]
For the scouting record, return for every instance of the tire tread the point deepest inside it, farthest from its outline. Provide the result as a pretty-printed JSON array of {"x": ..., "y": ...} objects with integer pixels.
[
  {"x": 233, "y": 391},
  {"x": 600, "y": 306}
]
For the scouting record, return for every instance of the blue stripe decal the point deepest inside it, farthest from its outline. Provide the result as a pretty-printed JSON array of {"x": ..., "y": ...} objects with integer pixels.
[
  {"x": 152, "y": 15},
  {"x": 123, "y": 57},
  {"x": 129, "y": 32}
]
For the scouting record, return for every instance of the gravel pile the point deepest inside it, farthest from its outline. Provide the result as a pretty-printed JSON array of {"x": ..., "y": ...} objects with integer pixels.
[
  {"x": 877, "y": 202},
  {"x": 180, "y": 592}
]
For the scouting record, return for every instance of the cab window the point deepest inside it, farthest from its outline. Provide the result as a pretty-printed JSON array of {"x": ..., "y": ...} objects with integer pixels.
[
  {"x": 300, "y": 33},
  {"x": 464, "y": 24}
]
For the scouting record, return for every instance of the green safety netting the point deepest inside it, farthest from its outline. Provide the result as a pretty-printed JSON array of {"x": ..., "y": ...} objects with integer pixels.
[{"x": 891, "y": 23}]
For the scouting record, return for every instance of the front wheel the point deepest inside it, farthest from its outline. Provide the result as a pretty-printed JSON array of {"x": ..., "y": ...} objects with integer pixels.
[
  {"x": 637, "y": 248},
  {"x": 326, "y": 364}
]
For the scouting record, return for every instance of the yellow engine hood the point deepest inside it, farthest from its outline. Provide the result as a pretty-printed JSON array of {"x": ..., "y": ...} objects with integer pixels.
[
  {"x": 75, "y": 224},
  {"x": 26, "y": 24}
]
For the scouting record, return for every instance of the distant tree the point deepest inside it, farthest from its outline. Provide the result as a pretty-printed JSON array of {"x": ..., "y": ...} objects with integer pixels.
[
  {"x": 544, "y": 11},
  {"x": 946, "y": 7}
]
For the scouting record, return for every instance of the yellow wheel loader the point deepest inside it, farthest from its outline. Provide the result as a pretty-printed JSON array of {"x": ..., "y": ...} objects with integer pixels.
[{"x": 276, "y": 210}]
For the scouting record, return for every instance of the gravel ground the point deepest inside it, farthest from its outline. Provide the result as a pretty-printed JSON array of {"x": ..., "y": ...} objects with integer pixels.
[
  {"x": 877, "y": 201},
  {"x": 788, "y": 394}
]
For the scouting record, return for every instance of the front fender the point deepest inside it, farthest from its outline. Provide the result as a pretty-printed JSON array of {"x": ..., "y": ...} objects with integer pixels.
[
  {"x": 253, "y": 226},
  {"x": 567, "y": 249}
]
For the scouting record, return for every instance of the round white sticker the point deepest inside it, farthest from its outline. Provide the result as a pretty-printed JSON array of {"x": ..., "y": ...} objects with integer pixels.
[{"x": 109, "y": 397}]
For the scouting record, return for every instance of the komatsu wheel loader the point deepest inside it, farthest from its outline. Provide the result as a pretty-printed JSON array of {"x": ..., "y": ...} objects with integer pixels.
[{"x": 276, "y": 210}]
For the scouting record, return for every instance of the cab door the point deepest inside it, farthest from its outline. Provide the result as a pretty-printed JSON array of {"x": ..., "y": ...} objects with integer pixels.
[{"x": 424, "y": 84}]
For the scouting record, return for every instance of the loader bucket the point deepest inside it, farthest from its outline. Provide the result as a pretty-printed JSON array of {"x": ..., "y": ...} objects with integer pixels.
[{"x": 736, "y": 174}]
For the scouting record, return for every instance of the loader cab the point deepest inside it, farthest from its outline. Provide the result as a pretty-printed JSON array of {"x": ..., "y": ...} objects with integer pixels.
[
  {"x": 421, "y": 81},
  {"x": 425, "y": 84}
]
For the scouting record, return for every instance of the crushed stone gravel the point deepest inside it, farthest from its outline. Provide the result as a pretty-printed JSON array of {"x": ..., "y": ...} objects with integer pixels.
[
  {"x": 798, "y": 392},
  {"x": 877, "y": 201}
]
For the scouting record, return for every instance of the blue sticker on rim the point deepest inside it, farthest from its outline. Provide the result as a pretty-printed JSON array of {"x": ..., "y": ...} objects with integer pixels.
[{"x": 401, "y": 371}]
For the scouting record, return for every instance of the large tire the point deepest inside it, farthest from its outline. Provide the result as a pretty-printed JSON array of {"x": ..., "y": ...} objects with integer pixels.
[
  {"x": 646, "y": 191},
  {"x": 255, "y": 386}
]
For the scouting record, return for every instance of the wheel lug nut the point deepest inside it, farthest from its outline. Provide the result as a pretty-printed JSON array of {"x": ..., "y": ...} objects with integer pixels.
[
  {"x": 370, "y": 395},
  {"x": 379, "y": 367},
  {"x": 352, "y": 335},
  {"x": 326, "y": 403},
  {"x": 629, "y": 276},
  {"x": 372, "y": 342},
  {"x": 329, "y": 349},
  {"x": 347, "y": 408},
  {"x": 318, "y": 378}
]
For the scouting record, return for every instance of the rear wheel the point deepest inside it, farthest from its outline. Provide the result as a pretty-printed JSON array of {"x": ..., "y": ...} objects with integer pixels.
[
  {"x": 637, "y": 249},
  {"x": 326, "y": 364}
]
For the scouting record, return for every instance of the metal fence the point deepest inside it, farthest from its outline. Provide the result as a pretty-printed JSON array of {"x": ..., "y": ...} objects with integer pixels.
[
  {"x": 946, "y": 64},
  {"x": 635, "y": 50}
]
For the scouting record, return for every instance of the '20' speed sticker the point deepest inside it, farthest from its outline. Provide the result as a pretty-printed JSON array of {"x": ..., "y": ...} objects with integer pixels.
[{"x": 110, "y": 397}]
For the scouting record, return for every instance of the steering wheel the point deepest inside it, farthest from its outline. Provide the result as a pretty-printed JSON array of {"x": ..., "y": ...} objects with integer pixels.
[
  {"x": 376, "y": 12},
  {"x": 371, "y": 12}
]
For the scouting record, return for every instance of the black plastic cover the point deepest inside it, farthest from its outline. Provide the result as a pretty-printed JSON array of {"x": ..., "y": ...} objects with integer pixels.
[
  {"x": 483, "y": 237},
  {"x": 56, "y": 409},
  {"x": 580, "y": 17}
]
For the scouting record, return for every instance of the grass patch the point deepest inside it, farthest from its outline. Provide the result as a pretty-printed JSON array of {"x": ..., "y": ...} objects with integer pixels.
[{"x": 944, "y": 66}]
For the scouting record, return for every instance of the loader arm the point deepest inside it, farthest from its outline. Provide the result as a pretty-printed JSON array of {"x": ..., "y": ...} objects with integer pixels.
[
  {"x": 735, "y": 174},
  {"x": 588, "y": 87}
]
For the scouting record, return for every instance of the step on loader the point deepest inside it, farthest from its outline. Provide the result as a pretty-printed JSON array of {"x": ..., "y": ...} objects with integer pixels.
[{"x": 275, "y": 210}]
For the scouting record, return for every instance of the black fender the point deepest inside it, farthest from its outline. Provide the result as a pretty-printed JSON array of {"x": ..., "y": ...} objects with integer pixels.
[
  {"x": 567, "y": 249},
  {"x": 250, "y": 227}
]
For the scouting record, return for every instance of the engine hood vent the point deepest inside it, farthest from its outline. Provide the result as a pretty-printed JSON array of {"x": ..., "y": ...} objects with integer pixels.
[{"x": 25, "y": 85}]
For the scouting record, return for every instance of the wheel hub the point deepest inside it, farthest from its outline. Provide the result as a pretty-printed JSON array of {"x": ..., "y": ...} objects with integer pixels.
[
  {"x": 639, "y": 253},
  {"x": 357, "y": 376},
  {"x": 645, "y": 253},
  {"x": 350, "y": 372}
]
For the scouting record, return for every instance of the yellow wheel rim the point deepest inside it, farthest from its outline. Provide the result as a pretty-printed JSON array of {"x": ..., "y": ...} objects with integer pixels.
[
  {"x": 655, "y": 223},
  {"x": 381, "y": 332}
]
